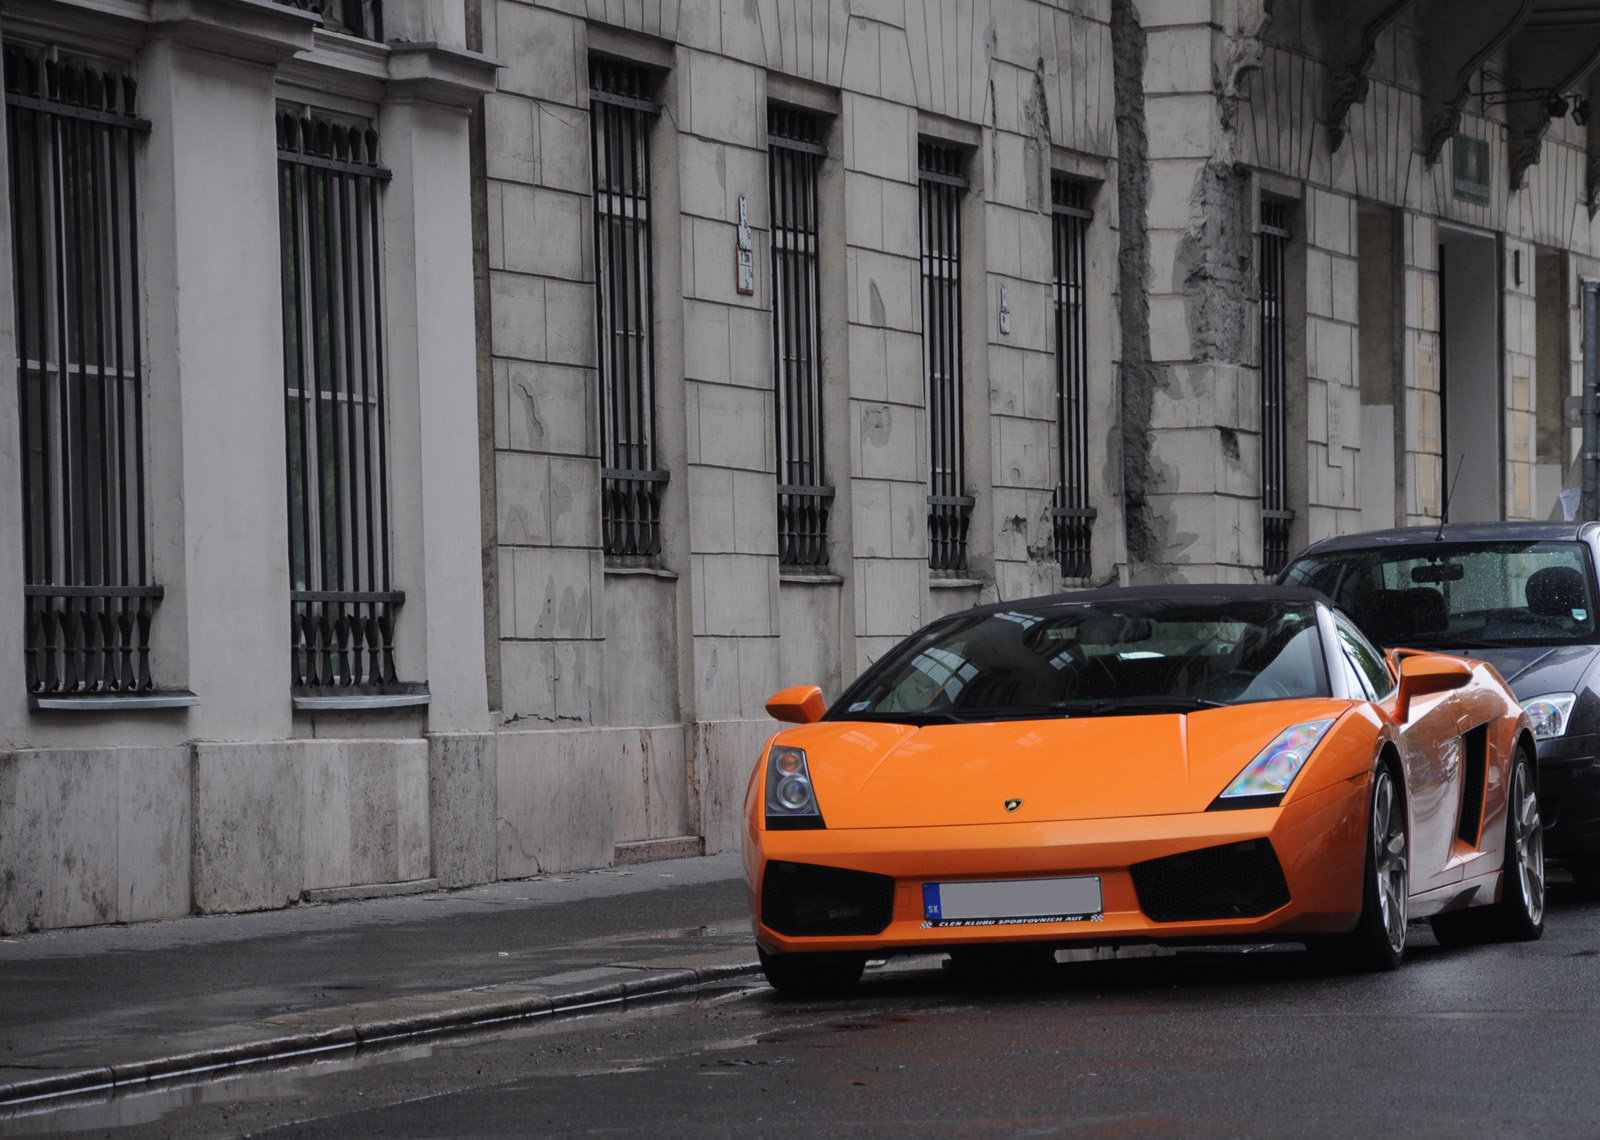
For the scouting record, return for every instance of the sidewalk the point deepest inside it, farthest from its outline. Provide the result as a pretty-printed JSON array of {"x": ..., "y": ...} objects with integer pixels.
[{"x": 102, "y": 1007}]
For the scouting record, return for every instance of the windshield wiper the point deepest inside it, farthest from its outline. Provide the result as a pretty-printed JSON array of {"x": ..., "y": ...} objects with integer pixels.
[
  {"x": 911, "y": 718},
  {"x": 1113, "y": 706}
]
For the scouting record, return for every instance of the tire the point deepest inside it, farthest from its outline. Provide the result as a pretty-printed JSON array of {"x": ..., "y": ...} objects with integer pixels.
[
  {"x": 1519, "y": 914},
  {"x": 1378, "y": 941},
  {"x": 812, "y": 975}
]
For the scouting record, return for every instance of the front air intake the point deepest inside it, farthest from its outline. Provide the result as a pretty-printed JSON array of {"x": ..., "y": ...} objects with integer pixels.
[
  {"x": 1236, "y": 880},
  {"x": 801, "y": 900}
]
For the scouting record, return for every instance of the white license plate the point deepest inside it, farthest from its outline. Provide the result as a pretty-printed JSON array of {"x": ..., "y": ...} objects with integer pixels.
[{"x": 1006, "y": 902}]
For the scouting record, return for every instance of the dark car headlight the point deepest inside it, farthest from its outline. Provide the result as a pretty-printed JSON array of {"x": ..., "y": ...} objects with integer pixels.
[{"x": 1549, "y": 714}]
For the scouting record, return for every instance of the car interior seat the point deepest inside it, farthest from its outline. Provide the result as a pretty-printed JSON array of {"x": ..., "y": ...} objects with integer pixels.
[{"x": 1555, "y": 591}]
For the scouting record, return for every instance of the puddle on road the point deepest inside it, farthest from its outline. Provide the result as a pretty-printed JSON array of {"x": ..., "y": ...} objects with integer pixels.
[{"x": 143, "y": 1103}]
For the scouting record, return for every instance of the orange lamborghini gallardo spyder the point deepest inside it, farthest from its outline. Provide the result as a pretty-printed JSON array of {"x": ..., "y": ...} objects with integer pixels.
[{"x": 1155, "y": 765}]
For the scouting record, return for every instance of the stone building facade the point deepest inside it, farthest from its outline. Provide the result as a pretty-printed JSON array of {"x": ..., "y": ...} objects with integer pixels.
[{"x": 624, "y": 363}]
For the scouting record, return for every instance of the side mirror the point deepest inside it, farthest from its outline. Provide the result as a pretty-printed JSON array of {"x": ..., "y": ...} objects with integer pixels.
[
  {"x": 799, "y": 705},
  {"x": 1425, "y": 673}
]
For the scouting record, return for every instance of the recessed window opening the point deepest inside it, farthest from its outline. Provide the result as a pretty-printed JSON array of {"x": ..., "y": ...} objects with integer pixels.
[
  {"x": 1071, "y": 513},
  {"x": 942, "y": 186},
  {"x": 1379, "y": 303},
  {"x": 621, "y": 114},
  {"x": 1275, "y": 513},
  {"x": 1552, "y": 383},
  {"x": 343, "y": 605},
  {"x": 794, "y": 156},
  {"x": 73, "y": 137}
]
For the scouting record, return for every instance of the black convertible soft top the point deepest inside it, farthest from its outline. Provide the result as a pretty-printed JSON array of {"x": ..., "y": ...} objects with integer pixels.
[{"x": 1229, "y": 592}]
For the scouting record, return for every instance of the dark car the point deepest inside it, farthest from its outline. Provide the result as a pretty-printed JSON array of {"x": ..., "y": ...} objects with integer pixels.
[{"x": 1521, "y": 596}]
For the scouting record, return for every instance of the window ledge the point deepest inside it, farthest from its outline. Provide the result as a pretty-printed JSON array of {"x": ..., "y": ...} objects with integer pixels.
[
  {"x": 954, "y": 583},
  {"x": 642, "y": 572},
  {"x": 811, "y": 578},
  {"x": 405, "y": 697},
  {"x": 113, "y": 702}
]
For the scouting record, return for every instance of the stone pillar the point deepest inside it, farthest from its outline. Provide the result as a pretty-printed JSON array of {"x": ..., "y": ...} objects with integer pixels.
[
  {"x": 215, "y": 334},
  {"x": 1424, "y": 442},
  {"x": 1332, "y": 353},
  {"x": 432, "y": 353},
  {"x": 888, "y": 448},
  {"x": 1193, "y": 457}
]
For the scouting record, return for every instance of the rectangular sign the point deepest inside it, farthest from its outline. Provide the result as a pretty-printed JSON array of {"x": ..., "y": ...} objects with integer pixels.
[{"x": 1010, "y": 902}]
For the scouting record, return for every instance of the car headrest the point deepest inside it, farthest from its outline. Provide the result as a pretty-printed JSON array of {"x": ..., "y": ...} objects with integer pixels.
[
  {"x": 1393, "y": 617},
  {"x": 1555, "y": 591}
]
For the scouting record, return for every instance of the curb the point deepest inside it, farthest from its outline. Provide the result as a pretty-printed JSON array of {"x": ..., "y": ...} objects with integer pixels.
[{"x": 293, "y": 1046}]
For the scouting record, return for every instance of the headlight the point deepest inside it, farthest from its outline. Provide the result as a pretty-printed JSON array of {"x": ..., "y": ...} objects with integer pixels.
[
  {"x": 1268, "y": 776},
  {"x": 1550, "y": 713},
  {"x": 791, "y": 800}
]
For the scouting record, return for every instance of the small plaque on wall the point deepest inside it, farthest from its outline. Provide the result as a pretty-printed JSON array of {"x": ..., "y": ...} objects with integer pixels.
[{"x": 744, "y": 257}]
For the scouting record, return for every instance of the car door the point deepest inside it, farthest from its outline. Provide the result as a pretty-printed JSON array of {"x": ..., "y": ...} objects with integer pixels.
[{"x": 1430, "y": 749}]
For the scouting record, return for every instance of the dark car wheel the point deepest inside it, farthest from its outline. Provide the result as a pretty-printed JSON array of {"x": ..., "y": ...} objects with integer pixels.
[
  {"x": 1519, "y": 915},
  {"x": 812, "y": 975},
  {"x": 1379, "y": 940}
]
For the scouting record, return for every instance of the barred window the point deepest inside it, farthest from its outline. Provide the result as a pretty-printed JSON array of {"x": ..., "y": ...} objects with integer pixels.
[
  {"x": 942, "y": 187},
  {"x": 73, "y": 137},
  {"x": 795, "y": 153},
  {"x": 1072, "y": 514},
  {"x": 620, "y": 116},
  {"x": 343, "y": 606},
  {"x": 363, "y": 18},
  {"x": 1275, "y": 513}
]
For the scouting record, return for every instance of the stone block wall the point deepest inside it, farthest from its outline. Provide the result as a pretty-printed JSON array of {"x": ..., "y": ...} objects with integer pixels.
[
  {"x": 93, "y": 836},
  {"x": 1332, "y": 353},
  {"x": 601, "y": 664}
]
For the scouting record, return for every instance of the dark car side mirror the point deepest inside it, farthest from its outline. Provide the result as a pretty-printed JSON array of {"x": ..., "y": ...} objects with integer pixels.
[{"x": 1425, "y": 673}]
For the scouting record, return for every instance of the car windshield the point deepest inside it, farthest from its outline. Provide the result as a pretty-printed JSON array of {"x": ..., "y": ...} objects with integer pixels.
[
  {"x": 1101, "y": 659},
  {"x": 1460, "y": 595}
]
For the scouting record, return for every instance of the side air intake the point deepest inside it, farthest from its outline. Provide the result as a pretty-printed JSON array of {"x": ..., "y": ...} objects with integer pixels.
[
  {"x": 1236, "y": 880},
  {"x": 798, "y": 899}
]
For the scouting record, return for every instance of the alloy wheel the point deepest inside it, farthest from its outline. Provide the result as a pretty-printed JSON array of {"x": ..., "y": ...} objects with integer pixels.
[
  {"x": 1389, "y": 859},
  {"x": 1527, "y": 837}
]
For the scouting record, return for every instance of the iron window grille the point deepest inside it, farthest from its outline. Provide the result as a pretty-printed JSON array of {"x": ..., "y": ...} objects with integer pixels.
[
  {"x": 342, "y": 604},
  {"x": 942, "y": 186},
  {"x": 631, "y": 485},
  {"x": 362, "y": 18},
  {"x": 1275, "y": 513},
  {"x": 1071, "y": 513},
  {"x": 73, "y": 138},
  {"x": 794, "y": 155}
]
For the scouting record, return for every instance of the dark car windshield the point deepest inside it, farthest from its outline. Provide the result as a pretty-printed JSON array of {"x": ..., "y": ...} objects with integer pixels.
[
  {"x": 1460, "y": 595},
  {"x": 1095, "y": 660}
]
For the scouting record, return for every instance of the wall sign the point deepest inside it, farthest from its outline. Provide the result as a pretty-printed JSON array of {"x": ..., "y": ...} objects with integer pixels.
[{"x": 744, "y": 257}]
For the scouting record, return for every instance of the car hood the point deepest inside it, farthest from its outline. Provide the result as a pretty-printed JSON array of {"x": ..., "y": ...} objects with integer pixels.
[
  {"x": 1538, "y": 669},
  {"x": 872, "y": 774}
]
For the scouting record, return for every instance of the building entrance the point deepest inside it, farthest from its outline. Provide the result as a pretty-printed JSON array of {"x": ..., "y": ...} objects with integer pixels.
[{"x": 1469, "y": 379}]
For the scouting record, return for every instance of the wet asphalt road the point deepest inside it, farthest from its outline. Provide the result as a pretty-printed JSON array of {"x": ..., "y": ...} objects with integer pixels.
[{"x": 1495, "y": 1041}]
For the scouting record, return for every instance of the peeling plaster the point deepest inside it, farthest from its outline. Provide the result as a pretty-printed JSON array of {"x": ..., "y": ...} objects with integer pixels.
[
  {"x": 1213, "y": 264},
  {"x": 1036, "y": 142},
  {"x": 1140, "y": 377}
]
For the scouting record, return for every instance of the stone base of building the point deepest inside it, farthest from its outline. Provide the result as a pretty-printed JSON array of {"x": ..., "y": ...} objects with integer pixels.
[{"x": 102, "y": 835}]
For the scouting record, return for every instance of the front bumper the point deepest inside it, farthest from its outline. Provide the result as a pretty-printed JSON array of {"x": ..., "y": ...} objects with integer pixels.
[
  {"x": 1569, "y": 793},
  {"x": 1319, "y": 841}
]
